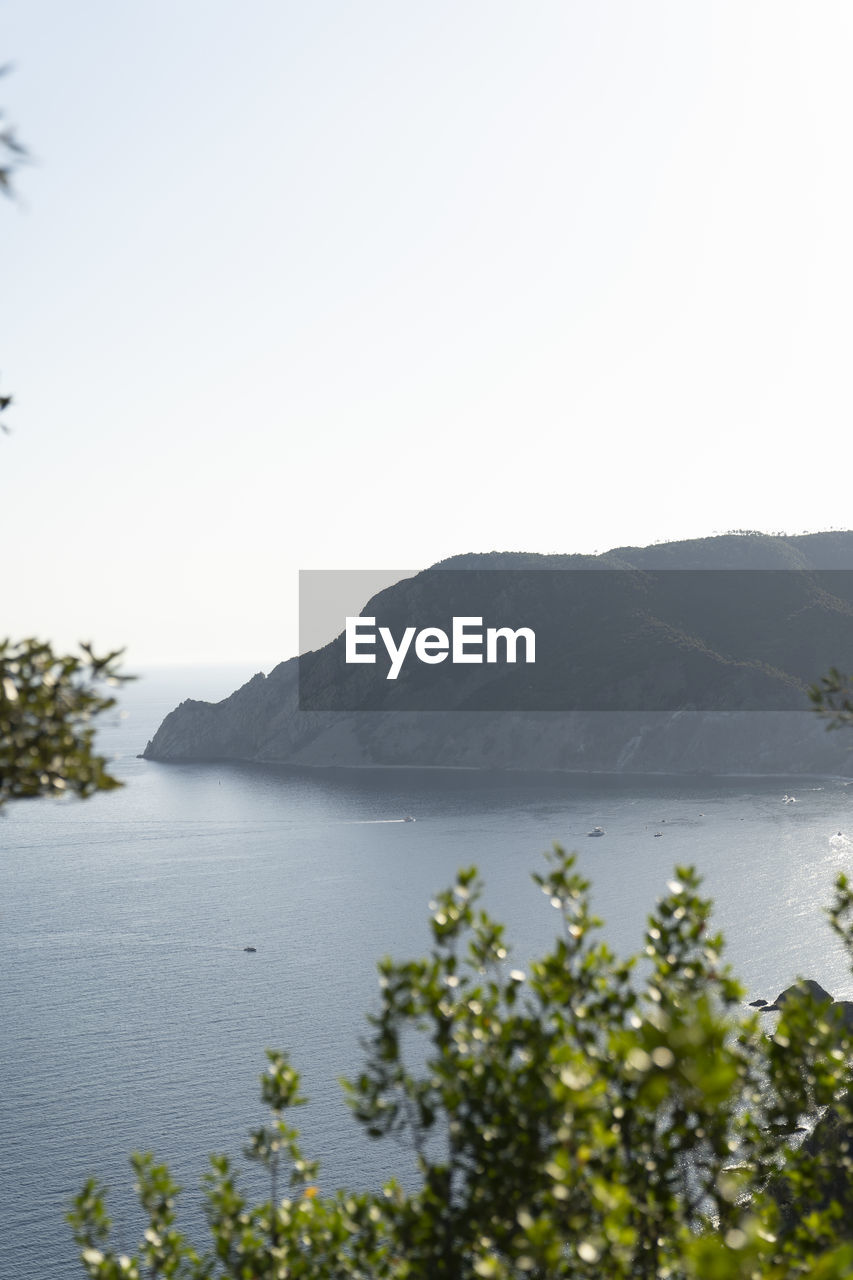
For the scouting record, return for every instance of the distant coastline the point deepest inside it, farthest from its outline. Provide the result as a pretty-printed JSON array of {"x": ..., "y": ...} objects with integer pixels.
[{"x": 265, "y": 721}]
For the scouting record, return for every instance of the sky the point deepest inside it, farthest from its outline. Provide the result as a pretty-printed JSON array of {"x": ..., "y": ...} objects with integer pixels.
[{"x": 364, "y": 285}]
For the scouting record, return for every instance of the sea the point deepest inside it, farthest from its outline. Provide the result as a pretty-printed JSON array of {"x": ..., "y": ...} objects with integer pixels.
[{"x": 134, "y": 1019}]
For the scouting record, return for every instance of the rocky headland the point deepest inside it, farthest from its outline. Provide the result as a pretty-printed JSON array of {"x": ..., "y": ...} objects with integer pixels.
[{"x": 263, "y": 721}]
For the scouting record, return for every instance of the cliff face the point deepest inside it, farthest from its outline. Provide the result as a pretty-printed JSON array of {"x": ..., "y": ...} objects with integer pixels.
[
  {"x": 262, "y": 720},
  {"x": 242, "y": 728}
]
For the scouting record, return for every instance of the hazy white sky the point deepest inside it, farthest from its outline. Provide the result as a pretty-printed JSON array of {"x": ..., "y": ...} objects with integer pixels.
[{"x": 358, "y": 285}]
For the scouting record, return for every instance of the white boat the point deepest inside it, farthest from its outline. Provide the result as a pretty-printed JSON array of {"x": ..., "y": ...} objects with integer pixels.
[{"x": 596, "y": 831}]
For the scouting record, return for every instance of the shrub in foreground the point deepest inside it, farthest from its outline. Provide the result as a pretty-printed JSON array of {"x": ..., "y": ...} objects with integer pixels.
[{"x": 590, "y": 1117}]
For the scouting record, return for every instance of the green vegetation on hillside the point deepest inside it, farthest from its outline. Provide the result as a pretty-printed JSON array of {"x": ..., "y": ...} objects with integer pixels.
[{"x": 609, "y": 637}]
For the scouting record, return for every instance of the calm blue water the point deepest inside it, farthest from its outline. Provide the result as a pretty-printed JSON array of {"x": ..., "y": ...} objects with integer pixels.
[{"x": 133, "y": 1019}]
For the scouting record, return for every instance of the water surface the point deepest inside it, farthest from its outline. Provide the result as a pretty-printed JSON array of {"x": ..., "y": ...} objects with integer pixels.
[{"x": 134, "y": 1019}]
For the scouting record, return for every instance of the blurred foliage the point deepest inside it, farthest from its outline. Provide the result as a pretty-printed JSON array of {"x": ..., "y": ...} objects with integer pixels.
[
  {"x": 12, "y": 155},
  {"x": 47, "y": 702},
  {"x": 12, "y": 152},
  {"x": 591, "y": 1117},
  {"x": 832, "y": 698}
]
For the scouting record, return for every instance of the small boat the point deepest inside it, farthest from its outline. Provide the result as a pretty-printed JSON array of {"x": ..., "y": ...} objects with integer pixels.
[
  {"x": 408, "y": 818},
  {"x": 250, "y": 948},
  {"x": 657, "y": 834},
  {"x": 596, "y": 831}
]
